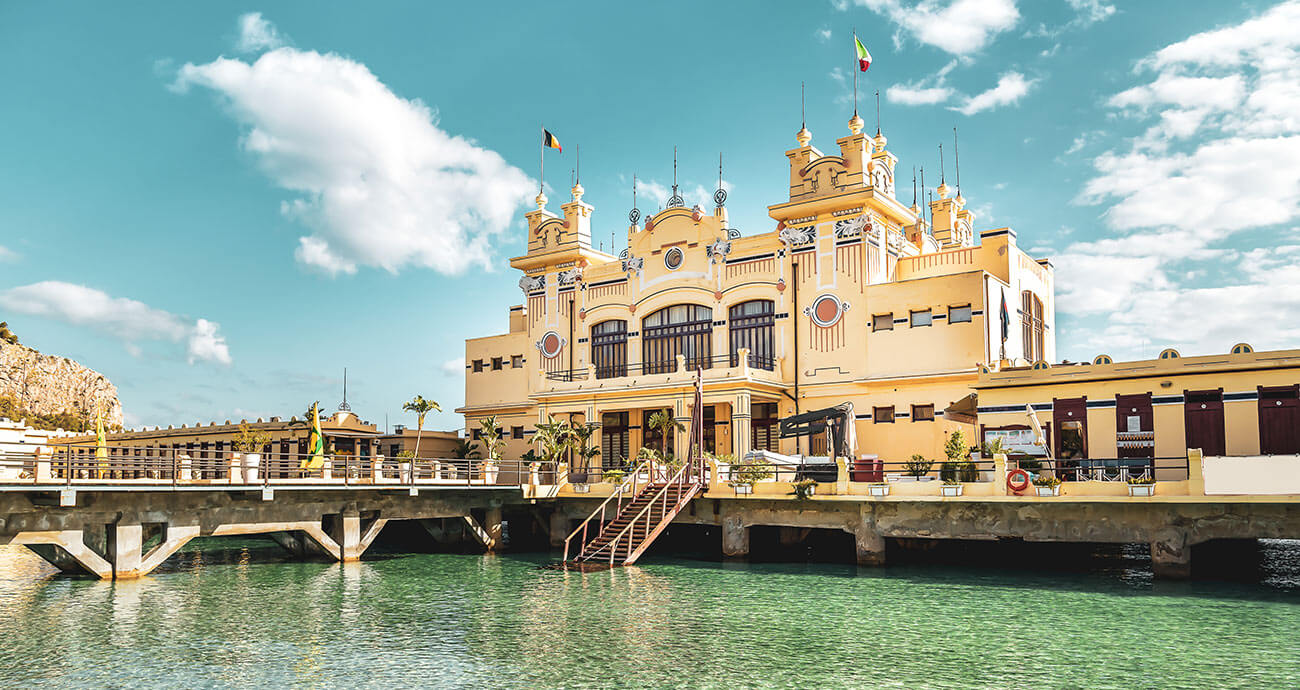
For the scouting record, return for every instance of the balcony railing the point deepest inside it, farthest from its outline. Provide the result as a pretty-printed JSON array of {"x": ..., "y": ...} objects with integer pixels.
[{"x": 613, "y": 371}]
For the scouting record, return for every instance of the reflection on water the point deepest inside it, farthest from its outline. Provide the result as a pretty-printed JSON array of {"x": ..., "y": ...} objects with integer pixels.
[{"x": 239, "y": 613}]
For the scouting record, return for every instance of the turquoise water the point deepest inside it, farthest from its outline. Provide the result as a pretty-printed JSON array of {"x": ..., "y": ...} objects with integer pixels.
[{"x": 227, "y": 613}]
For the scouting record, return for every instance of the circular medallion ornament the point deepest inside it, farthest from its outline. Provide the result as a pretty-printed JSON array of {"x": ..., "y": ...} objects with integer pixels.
[
  {"x": 673, "y": 258},
  {"x": 826, "y": 310},
  {"x": 720, "y": 196},
  {"x": 550, "y": 344},
  {"x": 634, "y": 215}
]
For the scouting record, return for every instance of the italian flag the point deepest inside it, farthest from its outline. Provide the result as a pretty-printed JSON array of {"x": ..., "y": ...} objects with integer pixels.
[{"x": 864, "y": 58}]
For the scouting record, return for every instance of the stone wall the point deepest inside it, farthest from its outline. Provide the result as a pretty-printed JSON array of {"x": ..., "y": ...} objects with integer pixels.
[{"x": 48, "y": 384}]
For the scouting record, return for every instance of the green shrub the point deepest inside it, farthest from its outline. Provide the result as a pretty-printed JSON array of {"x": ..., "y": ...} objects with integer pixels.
[{"x": 918, "y": 466}]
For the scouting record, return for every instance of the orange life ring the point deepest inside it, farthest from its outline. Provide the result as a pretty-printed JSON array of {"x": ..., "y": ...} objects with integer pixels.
[{"x": 1018, "y": 480}]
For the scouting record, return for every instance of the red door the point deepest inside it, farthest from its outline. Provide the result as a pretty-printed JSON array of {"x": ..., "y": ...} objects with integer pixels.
[
  {"x": 1070, "y": 419},
  {"x": 1203, "y": 416},
  {"x": 1135, "y": 423},
  {"x": 1279, "y": 420}
]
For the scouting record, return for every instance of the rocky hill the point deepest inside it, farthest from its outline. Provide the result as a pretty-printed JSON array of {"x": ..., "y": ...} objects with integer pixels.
[{"x": 53, "y": 390}]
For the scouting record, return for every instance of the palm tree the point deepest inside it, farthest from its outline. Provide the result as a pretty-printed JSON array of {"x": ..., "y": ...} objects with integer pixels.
[
  {"x": 464, "y": 449},
  {"x": 580, "y": 441},
  {"x": 552, "y": 438},
  {"x": 490, "y": 434},
  {"x": 664, "y": 422},
  {"x": 420, "y": 407}
]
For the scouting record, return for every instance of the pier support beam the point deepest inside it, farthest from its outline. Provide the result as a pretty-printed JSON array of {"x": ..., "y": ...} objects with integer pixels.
[
  {"x": 870, "y": 546},
  {"x": 1171, "y": 557},
  {"x": 735, "y": 538},
  {"x": 67, "y": 551},
  {"x": 559, "y": 528}
]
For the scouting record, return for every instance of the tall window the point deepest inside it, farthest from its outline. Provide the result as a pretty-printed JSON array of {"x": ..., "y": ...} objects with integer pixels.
[
  {"x": 763, "y": 427},
  {"x": 751, "y": 324},
  {"x": 1031, "y": 326},
  {"x": 609, "y": 348},
  {"x": 682, "y": 329},
  {"x": 614, "y": 439}
]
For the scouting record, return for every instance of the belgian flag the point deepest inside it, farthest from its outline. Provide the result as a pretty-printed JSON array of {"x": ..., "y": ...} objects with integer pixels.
[{"x": 549, "y": 141}]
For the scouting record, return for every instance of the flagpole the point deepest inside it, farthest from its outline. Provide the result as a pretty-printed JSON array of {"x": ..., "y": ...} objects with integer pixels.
[
  {"x": 541, "y": 157},
  {"x": 855, "y": 72}
]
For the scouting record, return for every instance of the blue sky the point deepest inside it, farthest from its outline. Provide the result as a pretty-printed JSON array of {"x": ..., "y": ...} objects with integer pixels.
[{"x": 221, "y": 207}]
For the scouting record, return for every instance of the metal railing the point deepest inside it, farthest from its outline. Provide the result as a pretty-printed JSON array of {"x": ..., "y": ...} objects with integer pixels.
[
  {"x": 79, "y": 464},
  {"x": 632, "y": 483},
  {"x": 619, "y": 370},
  {"x": 651, "y": 516},
  {"x": 1167, "y": 468}
]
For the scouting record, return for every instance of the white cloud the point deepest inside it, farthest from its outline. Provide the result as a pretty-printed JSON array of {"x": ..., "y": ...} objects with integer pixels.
[
  {"x": 691, "y": 193},
  {"x": 123, "y": 318},
  {"x": 377, "y": 182},
  {"x": 1011, "y": 87},
  {"x": 257, "y": 34},
  {"x": 823, "y": 34},
  {"x": 907, "y": 94},
  {"x": 453, "y": 367},
  {"x": 1091, "y": 11},
  {"x": 1220, "y": 156},
  {"x": 7, "y": 254},
  {"x": 959, "y": 27}
]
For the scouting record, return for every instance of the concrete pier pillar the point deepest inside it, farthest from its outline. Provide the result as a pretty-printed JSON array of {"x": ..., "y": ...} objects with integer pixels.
[
  {"x": 492, "y": 525},
  {"x": 350, "y": 537},
  {"x": 870, "y": 546},
  {"x": 124, "y": 544},
  {"x": 735, "y": 538},
  {"x": 1171, "y": 557},
  {"x": 559, "y": 528}
]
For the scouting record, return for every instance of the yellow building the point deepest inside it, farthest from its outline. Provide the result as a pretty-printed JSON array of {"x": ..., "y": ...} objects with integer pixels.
[
  {"x": 1243, "y": 403},
  {"x": 852, "y": 296}
]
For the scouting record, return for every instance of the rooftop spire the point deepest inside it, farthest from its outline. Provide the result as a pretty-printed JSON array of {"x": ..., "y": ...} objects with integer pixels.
[
  {"x": 344, "y": 406},
  {"x": 803, "y": 136},
  {"x": 956, "y": 160}
]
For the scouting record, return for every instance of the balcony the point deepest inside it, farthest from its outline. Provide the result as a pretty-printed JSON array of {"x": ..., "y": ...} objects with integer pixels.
[{"x": 738, "y": 365}]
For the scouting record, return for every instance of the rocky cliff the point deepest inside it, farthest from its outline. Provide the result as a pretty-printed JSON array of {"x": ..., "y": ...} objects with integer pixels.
[{"x": 53, "y": 387}]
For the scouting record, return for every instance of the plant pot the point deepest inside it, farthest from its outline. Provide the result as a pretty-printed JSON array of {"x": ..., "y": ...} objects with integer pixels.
[
  {"x": 1047, "y": 490},
  {"x": 581, "y": 488},
  {"x": 744, "y": 489},
  {"x": 1143, "y": 490},
  {"x": 404, "y": 471},
  {"x": 252, "y": 462},
  {"x": 951, "y": 489},
  {"x": 879, "y": 489},
  {"x": 490, "y": 473}
]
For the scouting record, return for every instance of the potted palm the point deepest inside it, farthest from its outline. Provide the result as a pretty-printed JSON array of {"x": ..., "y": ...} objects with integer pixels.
[
  {"x": 664, "y": 422},
  {"x": 579, "y": 439},
  {"x": 248, "y": 446},
  {"x": 1047, "y": 486},
  {"x": 490, "y": 434},
  {"x": 1142, "y": 486},
  {"x": 552, "y": 440},
  {"x": 420, "y": 407},
  {"x": 804, "y": 488},
  {"x": 745, "y": 473}
]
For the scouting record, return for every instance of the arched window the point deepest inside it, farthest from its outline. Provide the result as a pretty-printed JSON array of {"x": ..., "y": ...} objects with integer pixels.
[
  {"x": 750, "y": 325},
  {"x": 1031, "y": 326},
  {"x": 609, "y": 348},
  {"x": 682, "y": 329}
]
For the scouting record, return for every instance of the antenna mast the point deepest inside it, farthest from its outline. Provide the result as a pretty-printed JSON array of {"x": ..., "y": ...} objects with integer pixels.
[{"x": 956, "y": 159}]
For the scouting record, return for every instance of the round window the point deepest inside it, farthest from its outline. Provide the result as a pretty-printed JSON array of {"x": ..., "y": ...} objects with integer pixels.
[
  {"x": 673, "y": 258},
  {"x": 550, "y": 344},
  {"x": 826, "y": 310}
]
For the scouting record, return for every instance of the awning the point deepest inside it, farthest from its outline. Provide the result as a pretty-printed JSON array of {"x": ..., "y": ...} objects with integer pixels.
[{"x": 963, "y": 410}]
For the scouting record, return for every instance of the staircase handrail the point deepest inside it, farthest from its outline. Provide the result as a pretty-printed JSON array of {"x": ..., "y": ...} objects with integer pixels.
[
  {"x": 630, "y": 481},
  {"x": 676, "y": 480}
]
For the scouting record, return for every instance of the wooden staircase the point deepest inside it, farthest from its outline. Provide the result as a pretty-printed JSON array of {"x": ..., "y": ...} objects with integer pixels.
[
  {"x": 621, "y": 541},
  {"x": 627, "y": 522}
]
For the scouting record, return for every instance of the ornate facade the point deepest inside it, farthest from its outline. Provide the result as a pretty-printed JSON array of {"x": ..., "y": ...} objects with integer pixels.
[{"x": 852, "y": 296}]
